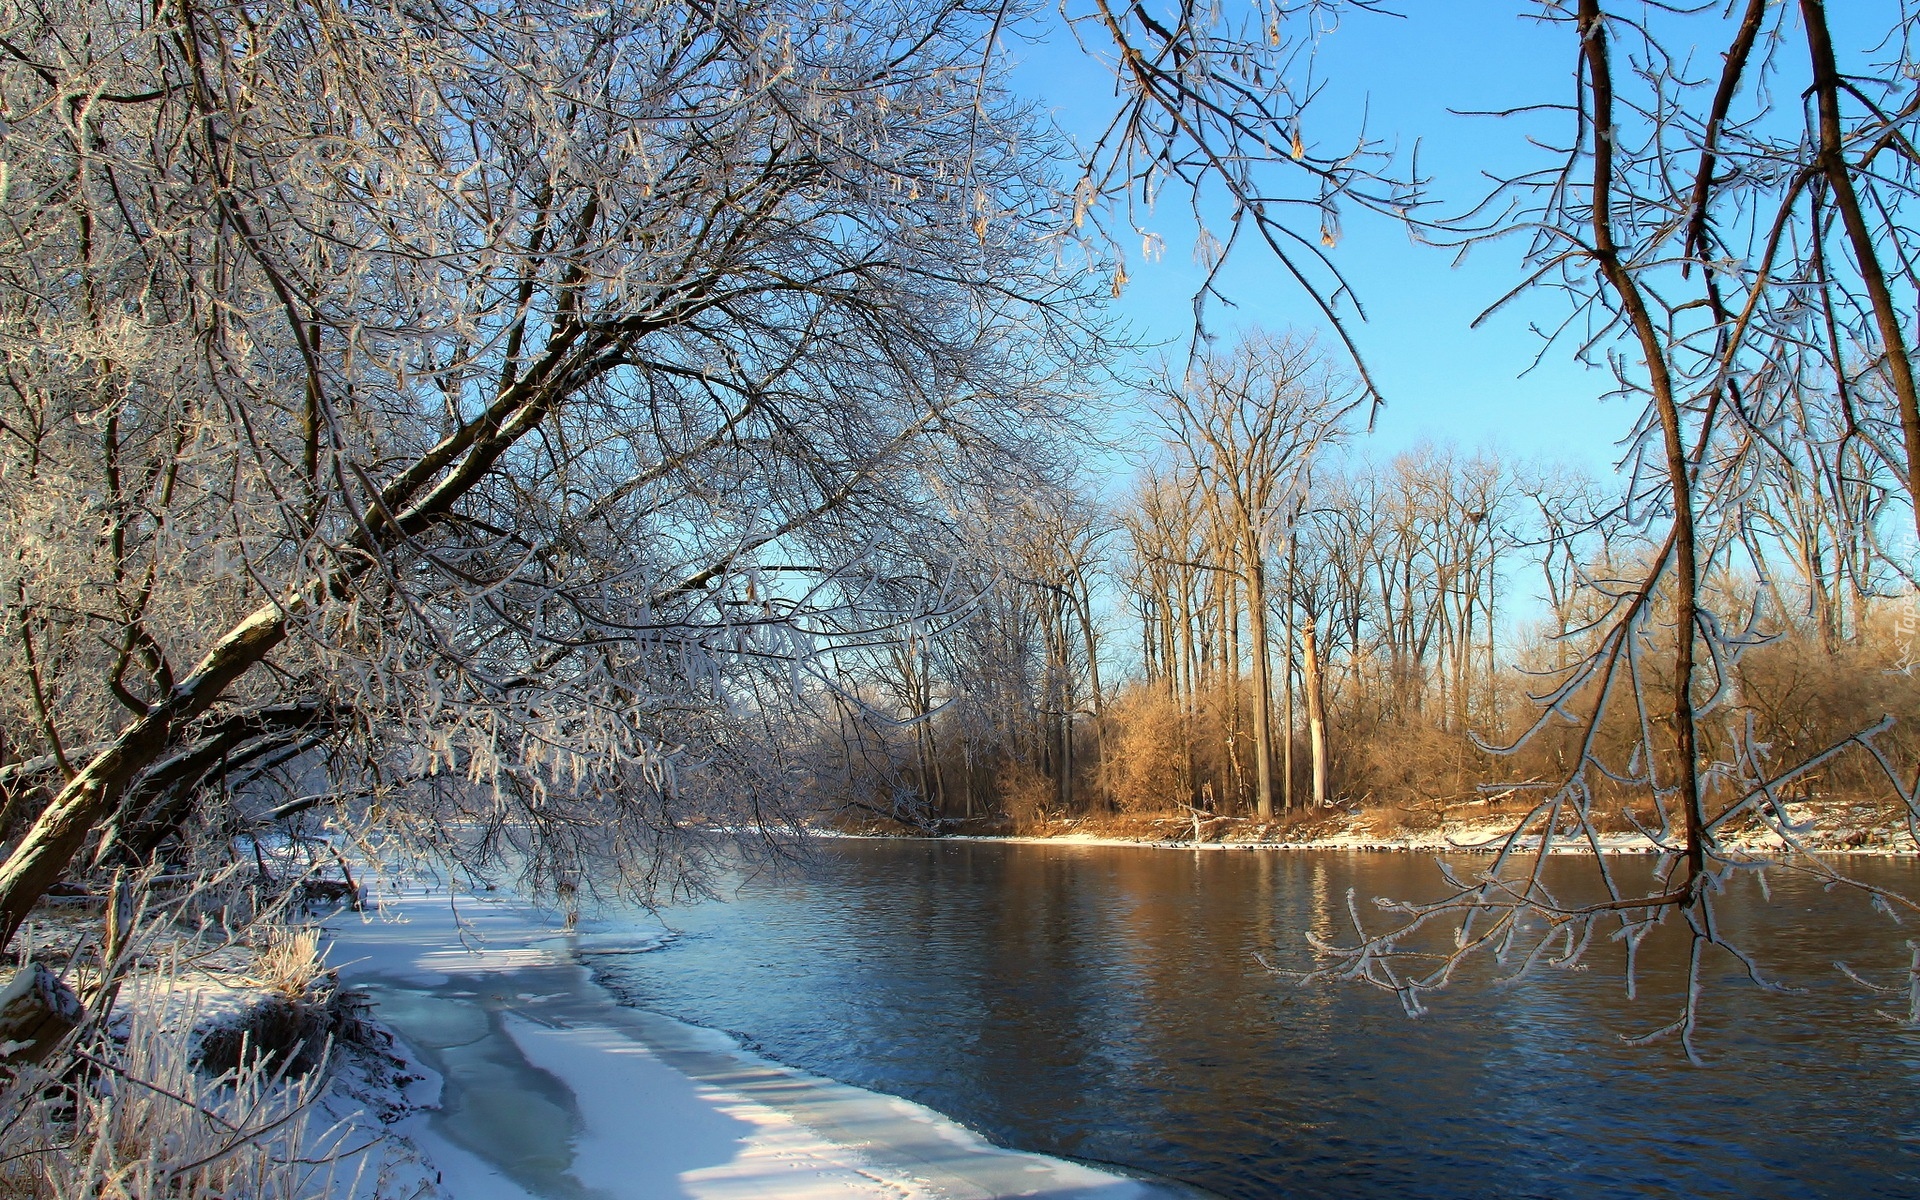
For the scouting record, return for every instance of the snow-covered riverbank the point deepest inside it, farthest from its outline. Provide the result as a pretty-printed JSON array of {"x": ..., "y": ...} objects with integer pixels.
[
  {"x": 1826, "y": 829},
  {"x": 548, "y": 1088}
]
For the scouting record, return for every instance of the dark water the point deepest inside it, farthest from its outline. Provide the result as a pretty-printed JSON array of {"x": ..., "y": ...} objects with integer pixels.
[{"x": 1106, "y": 1004}]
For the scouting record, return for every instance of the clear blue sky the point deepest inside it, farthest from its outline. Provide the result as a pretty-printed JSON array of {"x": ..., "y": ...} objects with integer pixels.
[
  {"x": 1443, "y": 381},
  {"x": 1405, "y": 79}
]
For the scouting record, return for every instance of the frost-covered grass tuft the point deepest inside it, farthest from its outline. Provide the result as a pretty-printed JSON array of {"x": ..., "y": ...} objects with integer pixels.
[
  {"x": 127, "y": 1116},
  {"x": 289, "y": 963}
]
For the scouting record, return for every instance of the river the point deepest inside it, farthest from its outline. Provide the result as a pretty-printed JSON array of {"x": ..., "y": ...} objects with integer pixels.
[{"x": 1107, "y": 1004}]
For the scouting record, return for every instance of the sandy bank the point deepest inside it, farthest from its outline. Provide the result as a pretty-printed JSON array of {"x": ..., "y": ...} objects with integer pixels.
[{"x": 550, "y": 1089}]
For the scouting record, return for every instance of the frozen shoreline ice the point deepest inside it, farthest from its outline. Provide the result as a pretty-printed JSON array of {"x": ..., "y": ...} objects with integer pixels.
[{"x": 551, "y": 1089}]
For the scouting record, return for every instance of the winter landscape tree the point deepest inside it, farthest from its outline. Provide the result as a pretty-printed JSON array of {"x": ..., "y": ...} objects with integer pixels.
[
  {"x": 484, "y": 416},
  {"x": 596, "y": 442}
]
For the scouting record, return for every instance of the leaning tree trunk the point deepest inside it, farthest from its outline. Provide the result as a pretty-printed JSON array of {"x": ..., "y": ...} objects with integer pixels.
[
  {"x": 421, "y": 494},
  {"x": 57, "y": 835}
]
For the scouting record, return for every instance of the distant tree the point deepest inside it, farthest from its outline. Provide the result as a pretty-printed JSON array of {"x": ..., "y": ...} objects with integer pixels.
[
  {"x": 1056, "y": 539},
  {"x": 1245, "y": 424},
  {"x": 1165, "y": 565}
]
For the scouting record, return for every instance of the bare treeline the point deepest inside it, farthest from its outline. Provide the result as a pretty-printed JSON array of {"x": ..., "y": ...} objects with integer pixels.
[
  {"x": 1272, "y": 623},
  {"x": 1716, "y": 217}
]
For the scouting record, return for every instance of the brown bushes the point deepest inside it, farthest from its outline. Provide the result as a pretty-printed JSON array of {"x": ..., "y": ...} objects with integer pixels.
[
  {"x": 1147, "y": 767},
  {"x": 1788, "y": 700}
]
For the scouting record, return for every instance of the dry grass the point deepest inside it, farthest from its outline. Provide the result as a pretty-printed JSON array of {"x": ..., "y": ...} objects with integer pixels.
[
  {"x": 130, "y": 1111},
  {"x": 133, "y": 1120},
  {"x": 289, "y": 964}
]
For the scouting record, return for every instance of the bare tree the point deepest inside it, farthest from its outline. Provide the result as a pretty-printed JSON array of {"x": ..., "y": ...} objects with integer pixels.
[
  {"x": 1695, "y": 230},
  {"x": 1165, "y": 564},
  {"x": 1246, "y": 424},
  {"x": 484, "y": 415},
  {"x": 1056, "y": 539}
]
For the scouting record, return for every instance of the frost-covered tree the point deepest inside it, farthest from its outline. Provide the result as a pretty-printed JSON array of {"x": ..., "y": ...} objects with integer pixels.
[
  {"x": 1723, "y": 199},
  {"x": 486, "y": 412}
]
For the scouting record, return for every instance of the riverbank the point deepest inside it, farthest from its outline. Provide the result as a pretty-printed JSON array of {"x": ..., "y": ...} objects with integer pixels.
[
  {"x": 1827, "y": 826},
  {"x": 535, "y": 1083}
]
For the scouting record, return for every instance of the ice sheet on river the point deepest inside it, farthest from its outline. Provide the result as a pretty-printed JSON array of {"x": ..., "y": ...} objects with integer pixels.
[{"x": 552, "y": 1090}]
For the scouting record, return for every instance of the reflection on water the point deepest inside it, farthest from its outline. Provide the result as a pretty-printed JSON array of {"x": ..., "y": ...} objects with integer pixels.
[{"x": 1106, "y": 1004}]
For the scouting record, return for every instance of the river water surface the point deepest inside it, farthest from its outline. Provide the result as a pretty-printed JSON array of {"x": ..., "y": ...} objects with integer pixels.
[{"x": 1109, "y": 1004}]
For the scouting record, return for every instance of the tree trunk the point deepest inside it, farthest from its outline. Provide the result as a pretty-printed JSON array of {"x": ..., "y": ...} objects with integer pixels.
[
  {"x": 1084, "y": 609},
  {"x": 57, "y": 835},
  {"x": 1316, "y": 711},
  {"x": 1833, "y": 163},
  {"x": 1237, "y": 791},
  {"x": 1286, "y": 677},
  {"x": 1262, "y": 683},
  {"x": 1183, "y": 674},
  {"x": 966, "y": 777},
  {"x": 1607, "y": 255}
]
